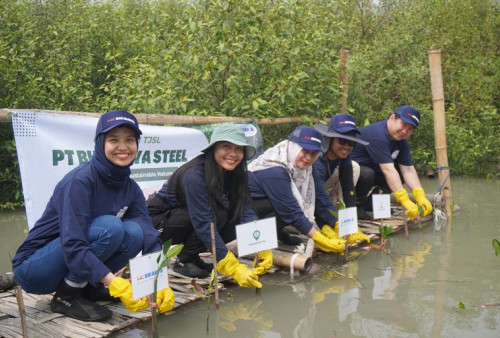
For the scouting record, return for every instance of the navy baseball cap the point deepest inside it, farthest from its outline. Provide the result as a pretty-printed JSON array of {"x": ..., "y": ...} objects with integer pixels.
[
  {"x": 115, "y": 118},
  {"x": 409, "y": 115},
  {"x": 341, "y": 126},
  {"x": 307, "y": 137}
]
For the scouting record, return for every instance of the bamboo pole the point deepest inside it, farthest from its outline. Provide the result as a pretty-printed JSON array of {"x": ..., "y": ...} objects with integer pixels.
[
  {"x": 22, "y": 311},
  {"x": 440, "y": 128},
  {"x": 344, "y": 77},
  {"x": 166, "y": 119},
  {"x": 214, "y": 260}
]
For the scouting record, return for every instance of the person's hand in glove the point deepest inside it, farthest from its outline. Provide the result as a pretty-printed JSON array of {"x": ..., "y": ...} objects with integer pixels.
[
  {"x": 231, "y": 266},
  {"x": 327, "y": 244},
  {"x": 419, "y": 196},
  {"x": 165, "y": 299},
  {"x": 358, "y": 236},
  {"x": 411, "y": 208},
  {"x": 330, "y": 232},
  {"x": 121, "y": 288},
  {"x": 262, "y": 262}
]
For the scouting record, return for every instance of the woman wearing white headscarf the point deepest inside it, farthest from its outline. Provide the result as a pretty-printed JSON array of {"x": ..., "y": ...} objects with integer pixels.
[{"x": 281, "y": 184}]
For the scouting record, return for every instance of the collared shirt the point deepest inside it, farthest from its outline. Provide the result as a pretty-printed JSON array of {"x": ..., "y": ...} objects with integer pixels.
[{"x": 381, "y": 149}]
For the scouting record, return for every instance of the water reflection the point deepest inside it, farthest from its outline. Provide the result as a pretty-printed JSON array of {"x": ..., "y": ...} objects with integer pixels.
[{"x": 413, "y": 292}]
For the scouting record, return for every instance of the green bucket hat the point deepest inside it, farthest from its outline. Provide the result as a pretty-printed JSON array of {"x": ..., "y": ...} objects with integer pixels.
[{"x": 234, "y": 134}]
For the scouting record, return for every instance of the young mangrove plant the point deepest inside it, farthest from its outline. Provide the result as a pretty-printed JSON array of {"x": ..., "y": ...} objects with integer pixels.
[
  {"x": 205, "y": 293},
  {"x": 167, "y": 253}
]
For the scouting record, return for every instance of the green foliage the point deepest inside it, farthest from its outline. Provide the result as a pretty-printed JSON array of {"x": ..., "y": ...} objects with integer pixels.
[
  {"x": 385, "y": 231},
  {"x": 11, "y": 195},
  {"x": 260, "y": 59},
  {"x": 163, "y": 261}
]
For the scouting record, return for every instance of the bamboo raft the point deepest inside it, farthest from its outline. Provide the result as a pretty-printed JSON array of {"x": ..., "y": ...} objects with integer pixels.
[{"x": 41, "y": 322}]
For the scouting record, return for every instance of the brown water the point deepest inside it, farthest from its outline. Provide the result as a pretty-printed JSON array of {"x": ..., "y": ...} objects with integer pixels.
[{"x": 439, "y": 283}]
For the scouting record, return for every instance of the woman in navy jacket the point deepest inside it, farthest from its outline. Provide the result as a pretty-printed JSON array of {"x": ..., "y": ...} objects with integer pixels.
[
  {"x": 95, "y": 221},
  {"x": 211, "y": 188}
]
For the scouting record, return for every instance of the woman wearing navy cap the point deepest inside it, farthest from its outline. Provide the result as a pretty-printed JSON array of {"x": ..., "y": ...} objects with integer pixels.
[
  {"x": 95, "y": 221},
  {"x": 281, "y": 184}
]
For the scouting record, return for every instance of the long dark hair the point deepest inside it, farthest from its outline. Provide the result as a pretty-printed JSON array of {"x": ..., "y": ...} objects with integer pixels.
[
  {"x": 236, "y": 182},
  {"x": 237, "y": 185}
]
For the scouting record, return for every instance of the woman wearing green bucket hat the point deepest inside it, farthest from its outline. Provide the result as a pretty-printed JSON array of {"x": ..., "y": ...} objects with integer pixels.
[{"x": 213, "y": 187}]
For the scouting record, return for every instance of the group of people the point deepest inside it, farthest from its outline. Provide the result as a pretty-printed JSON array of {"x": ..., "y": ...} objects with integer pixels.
[{"x": 97, "y": 218}]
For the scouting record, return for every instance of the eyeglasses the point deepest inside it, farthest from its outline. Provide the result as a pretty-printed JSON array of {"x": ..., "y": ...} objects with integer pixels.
[{"x": 343, "y": 142}]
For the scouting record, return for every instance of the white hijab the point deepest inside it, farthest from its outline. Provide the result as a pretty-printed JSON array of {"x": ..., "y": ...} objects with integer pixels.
[{"x": 283, "y": 155}]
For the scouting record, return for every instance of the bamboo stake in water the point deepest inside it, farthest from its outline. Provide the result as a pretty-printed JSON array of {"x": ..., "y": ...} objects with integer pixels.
[
  {"x": 214, "y": 259},
  {"x": 440, "y": 128},
  {"x": 22, "y": 312}
]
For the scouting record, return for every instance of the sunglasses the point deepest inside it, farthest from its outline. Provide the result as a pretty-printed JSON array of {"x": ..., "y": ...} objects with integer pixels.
[{"x": 343, "y": 142}]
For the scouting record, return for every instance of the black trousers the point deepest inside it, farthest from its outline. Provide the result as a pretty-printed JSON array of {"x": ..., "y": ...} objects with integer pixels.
[
  {"x": 175, "y": 224},
  {"x": 368, "y": 178},
  {"x": 264, "y": 209}
]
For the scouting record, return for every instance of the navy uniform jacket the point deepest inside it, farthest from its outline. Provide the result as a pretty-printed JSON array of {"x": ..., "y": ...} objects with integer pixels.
[
  {"x": 321, "y": 174},
  {"x": 275, "y": 184},
  {"x": 81, "y": 196},
  {"x": 195, "y": 198},
  {"x": 381, "y": 149}
]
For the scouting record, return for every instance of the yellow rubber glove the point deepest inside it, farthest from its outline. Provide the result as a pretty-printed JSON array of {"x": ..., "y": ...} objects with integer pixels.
[
  {"x": 419, "y": 196},
  {"x": 231, "y": 266},
  {"x": 327, "y": 244},
  {"x": 411, "y": 208},
  {"x": 262, "y": 262},
  {"x": 359, "y": 236},
  {"x": 330, "y": 232},
  {"x": 121, "y": 288},
  {"x": 351, "y": 239},
  {"x": 165, "y": 299}
]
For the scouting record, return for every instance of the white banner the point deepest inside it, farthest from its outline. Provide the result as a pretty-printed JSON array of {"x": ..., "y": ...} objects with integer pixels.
[{"x": 50, "y": 145}]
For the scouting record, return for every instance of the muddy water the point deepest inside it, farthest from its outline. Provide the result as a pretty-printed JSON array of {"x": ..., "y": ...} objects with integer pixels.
[{"x": 439, "y": 283}]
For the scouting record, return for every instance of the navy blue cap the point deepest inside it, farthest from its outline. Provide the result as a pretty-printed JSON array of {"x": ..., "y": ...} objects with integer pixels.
[
  {"x": 339, "y": 125},
  {"x": 409, "y": 115},
  {"x": 115, "y": 118},
  {"x": 307, "y": 137}
]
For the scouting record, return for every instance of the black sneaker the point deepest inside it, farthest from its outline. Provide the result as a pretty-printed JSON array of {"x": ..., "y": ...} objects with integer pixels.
[
  {"x": 96, "y": 294},
  {"x": 204, "y": 265},
  {"x": 190, "y": 269},
  {"x": 286, "y": 238},
  {"x": 68, "y": 301}
]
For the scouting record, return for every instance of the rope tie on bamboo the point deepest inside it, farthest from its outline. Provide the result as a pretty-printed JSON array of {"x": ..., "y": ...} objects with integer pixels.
[{"x": 440, "y": 186}]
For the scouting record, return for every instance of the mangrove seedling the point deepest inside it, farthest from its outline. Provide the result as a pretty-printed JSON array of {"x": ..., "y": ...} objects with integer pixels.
[
  {"x": 384, "y": 232},
  {"x": 205, "y": 293},
  {"x": 167, "y": 253}
]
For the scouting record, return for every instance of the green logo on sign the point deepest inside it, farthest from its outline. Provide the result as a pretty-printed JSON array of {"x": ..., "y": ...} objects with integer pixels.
[{"x": 256, "y": 234}]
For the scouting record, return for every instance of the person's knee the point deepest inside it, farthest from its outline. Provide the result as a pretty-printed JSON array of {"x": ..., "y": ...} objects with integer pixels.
[{"x": 134, "y": 231}]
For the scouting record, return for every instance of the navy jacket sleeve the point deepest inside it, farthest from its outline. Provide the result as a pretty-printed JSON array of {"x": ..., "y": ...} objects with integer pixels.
[
  {"x": 275, "y": 184},
  {"x": 75, "y": 207},
  {"x": 200, "y": 212},
  {"x": 323, "y": 204},
  {"x": 347, "y": 183}
]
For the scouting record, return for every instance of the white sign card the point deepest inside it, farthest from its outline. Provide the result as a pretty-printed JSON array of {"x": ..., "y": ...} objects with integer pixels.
[
  {"x": 381, "y": 206},
  {"x": 348, "y": 221},
  {"x": 143, "y": 270},
  {"x": 256, "y": 236}
]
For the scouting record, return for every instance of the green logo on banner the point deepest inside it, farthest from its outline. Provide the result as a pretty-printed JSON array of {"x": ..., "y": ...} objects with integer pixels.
[{"x": 256, "y": 234}]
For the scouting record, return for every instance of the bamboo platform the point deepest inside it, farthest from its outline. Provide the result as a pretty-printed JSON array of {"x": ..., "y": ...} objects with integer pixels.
[{"x": 41, "y": 322}]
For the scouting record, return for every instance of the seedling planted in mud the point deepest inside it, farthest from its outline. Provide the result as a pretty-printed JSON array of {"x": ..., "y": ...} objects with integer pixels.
[
  {"x": 168, "y": 253},
  {"x": 205, "y": 293}
]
